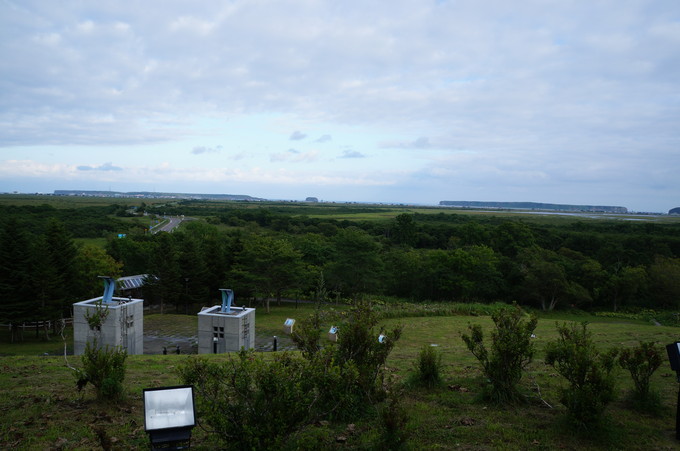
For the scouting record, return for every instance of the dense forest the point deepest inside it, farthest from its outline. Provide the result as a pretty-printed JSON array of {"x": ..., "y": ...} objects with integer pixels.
[{"x": 300, "y": 251}]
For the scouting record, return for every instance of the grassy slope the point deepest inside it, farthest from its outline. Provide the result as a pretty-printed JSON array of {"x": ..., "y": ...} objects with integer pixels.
[
  {"x": 442, "y": 413},
  {"x": 42, "y": 410}
]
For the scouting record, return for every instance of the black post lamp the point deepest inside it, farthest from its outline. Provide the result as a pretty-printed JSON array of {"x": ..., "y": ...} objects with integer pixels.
[{"x": 673, "y": 351}]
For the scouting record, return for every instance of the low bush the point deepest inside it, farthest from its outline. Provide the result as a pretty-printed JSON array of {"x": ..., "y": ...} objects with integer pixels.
[
  {"x": 393, "y": 425},
  {"x": 588, "y": 371},
  {"x": 104, "y": 368},
  {"x": 511, "y": 351},
  {"x": 428, "y": 367},
  {"x": 400, "y": 309},
  {"x": 665, "y": 318},
  {"x": 642, "y": 362},
  {"x": 307, "y": 334},
  {"x": 362, "y": 341},
  {"x": 251, "y": 403}
]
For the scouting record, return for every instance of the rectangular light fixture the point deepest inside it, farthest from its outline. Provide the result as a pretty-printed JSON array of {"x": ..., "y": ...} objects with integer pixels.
[{"x": 169, "y": 407}]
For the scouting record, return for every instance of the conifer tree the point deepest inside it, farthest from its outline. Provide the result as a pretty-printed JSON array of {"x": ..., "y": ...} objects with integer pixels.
[
  {"x": 61, "y": 272},
  {"x": 194, "y": 273},
  {"x": 164, "y": 285},
  {"x": 17, "y": 288}
]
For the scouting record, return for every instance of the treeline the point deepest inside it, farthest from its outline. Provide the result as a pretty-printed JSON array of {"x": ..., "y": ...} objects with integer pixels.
[
  {"x": 43, "y": 271},
  {"x": 273, "y": 252},
  {"x": 265, "y": 254},
  {"x": 83, "y": 222}
]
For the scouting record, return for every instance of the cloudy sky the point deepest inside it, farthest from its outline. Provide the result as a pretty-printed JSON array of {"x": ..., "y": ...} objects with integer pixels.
[{"x": 412, "y": 101}]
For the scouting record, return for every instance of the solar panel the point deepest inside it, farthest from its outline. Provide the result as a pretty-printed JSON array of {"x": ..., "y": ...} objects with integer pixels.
[{"x": 131, "y": 282}]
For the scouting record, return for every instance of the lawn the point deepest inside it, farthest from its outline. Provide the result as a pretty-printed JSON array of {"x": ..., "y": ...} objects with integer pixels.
[{"x": 43, "y": 410}]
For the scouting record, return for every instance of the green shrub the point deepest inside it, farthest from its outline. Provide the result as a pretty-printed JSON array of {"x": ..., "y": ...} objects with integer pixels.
[
  {"x": 392, "y": 308},
  {"x": 307, "y": 334},
  {"x": 248, "y": 401},
  {"x": 663, "y": 317},
  {"x": 358, "y": 341},
  {"x": 95, "y": 319},
  {"x": 511, "y": 351},
  {"x": 428, "y": 367},
  {"x": 642, "y": 362},
  {"x": 252, "y": 403},
  {"x": 588, "y": 371},
  {"x": 393, "y": 421},
  {"x": 104, "y": 368}
]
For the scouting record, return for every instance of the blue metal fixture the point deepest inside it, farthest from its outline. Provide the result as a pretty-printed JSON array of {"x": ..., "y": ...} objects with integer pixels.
[
  {"x": 109, "y": 286},
  {"x": 227, "y": 299}
]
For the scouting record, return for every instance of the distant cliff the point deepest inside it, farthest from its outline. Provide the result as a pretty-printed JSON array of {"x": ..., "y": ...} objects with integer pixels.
[
  {"x": 674, "y": 211},
  {"x": 533, "y": 206}
]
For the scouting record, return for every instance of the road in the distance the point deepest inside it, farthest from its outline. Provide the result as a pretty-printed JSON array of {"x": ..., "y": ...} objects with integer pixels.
[{"x": 173, "y": 222}]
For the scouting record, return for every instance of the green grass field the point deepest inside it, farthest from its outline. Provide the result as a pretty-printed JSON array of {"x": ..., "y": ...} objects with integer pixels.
[
  {"x": 350, "y": 211},
  {"x": 73, "y": 201},
  {"x": 390, "y": 212},
  {"x": 42, "y": 409}
]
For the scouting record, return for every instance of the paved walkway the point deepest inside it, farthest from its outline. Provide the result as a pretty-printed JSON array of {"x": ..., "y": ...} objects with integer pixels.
[{"x": 153, "y": 344}]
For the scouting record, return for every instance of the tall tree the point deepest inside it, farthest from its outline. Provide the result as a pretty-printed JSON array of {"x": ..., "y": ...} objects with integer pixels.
[
  {"x": 92, "y": 261},
  {"x": 17, "y": 294},
  {"x": 624, "y": 285},
  {"x": 164, "y": 284},
  {"x": 473, "y": 234},
  {"x": 585, "y": 271},
  {"x": 440, "y": 282},
  {"x": 356, "y": 266},
  {"x": 482, "y": 269},
  {"x": 210, "y": 259},
  {"x": 193, "y": 272},
  {"x": 510, "y": 237},
  {"x": 404, "y": 273},
  {"x": 664, "y": 282},
  {"x": 61, "y": 276},
  {"x": 214, "y": 252},
  {"x": 546, "y": 280},
  {"x": 268, "y": 267},
  {"x": 403, "y": 230},
  {"x": 134, "y": 252}
]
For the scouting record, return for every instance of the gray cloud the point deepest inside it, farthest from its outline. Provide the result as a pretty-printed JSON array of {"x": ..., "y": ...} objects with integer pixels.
[
  {"x": 284, "y": 156},
  {"x": 420, "y": 143},
  {"x": 297, "y": 136},
  {"x": 323, "y": 139},
  {"x": 529, "y": 82},
  {"x": 531, "y": 71},
  {"x": 202, "y": 149},
  {"x": 293, "y": 156},
  {"x": 238, "y": 156},
  {"x": 351, "y": 154},
  {"x": 103, "y": 167}
]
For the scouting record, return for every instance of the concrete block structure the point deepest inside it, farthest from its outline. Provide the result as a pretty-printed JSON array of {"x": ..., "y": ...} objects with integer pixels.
[
  {"x": 225, "y": 328},
  {"x": 220, "y": 332},
  {"x": 123, "y": 325}
]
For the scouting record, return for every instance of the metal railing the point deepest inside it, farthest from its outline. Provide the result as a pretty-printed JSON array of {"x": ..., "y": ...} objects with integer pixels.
[{"x": 38, "y": 324}]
